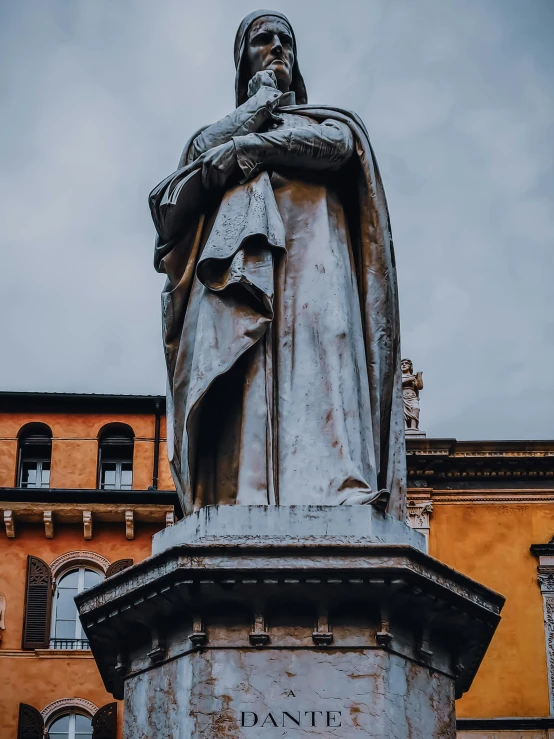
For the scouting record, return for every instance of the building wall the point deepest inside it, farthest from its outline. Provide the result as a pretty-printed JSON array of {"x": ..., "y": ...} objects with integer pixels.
[
  {"x": 75, "y": 448},
  {"x": 39, "y": 677},
  {"x": 476, "y": 534},
  {"x": 490, "y": 543}
]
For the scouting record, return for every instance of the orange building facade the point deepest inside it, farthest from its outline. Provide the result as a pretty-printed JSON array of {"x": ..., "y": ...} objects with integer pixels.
[{"x": 85, "y": 483}]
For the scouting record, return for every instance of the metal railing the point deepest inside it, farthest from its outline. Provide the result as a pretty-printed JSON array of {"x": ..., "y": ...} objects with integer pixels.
[{"x": 69, "y": 644}]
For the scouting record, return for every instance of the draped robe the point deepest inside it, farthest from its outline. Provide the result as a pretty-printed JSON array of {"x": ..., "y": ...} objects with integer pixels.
[{"x": 280, "y": 317}]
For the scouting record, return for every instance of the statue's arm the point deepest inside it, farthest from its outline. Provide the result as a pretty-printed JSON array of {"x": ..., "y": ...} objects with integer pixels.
[
  {"x": 419, "y": 381},
  {"x": 245, "y": 119},
  {"x": 326, "y": 146}
]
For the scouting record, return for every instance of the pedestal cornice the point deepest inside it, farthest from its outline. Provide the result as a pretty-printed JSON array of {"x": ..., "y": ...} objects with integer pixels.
[{"x": 217, "y": 593}]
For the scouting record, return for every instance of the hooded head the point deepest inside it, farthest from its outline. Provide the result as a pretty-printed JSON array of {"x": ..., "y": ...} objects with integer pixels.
[{"x": 242, "y": 63}]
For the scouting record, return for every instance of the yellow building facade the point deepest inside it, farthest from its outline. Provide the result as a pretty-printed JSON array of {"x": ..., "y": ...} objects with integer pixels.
[{"x": 85, "y": 483}]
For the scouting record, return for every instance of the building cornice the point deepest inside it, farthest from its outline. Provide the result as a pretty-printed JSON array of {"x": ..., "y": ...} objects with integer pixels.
[
  {"x": 497, "y": 466},
  {"x": 53, "y": 514},
  {"x": 482, "y": 496},
  {"x": 23, "y": 402},
  {"x": 76, "y": 495}
]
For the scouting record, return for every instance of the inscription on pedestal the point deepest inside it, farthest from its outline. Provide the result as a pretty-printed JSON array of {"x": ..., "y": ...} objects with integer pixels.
[{"x": 289, "y": 719}]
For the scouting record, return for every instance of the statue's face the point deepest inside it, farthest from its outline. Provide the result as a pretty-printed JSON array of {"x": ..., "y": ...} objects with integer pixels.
[
  {"x": 270, "y": 47},
  {"x": 406, "y": 366}
]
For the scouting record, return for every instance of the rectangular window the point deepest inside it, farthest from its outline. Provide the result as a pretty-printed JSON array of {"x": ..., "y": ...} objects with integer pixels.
[
  {"x": 116, "y": 475},
  {"x": 35, "y": 473}
]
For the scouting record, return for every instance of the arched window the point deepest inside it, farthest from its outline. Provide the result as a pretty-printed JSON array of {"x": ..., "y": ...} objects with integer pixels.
[
  {"x": 70, "y": 726},
  {"x": 35, "y": 452},
  {"x": 115, "y": 457},
  {"x": 66, "y": 629}
]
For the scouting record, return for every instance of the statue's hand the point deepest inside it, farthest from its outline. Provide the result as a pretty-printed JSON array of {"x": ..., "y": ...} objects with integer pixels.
[
  {"x": 265, "y": 78},
  {"x": 218, "y": 165}
]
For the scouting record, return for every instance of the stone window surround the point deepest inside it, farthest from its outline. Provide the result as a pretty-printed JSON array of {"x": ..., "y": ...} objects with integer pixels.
[
  {"x": 68, "y": 561},
  {"x": 68, "y": 705},
  {"x": 77, "y": 558}
]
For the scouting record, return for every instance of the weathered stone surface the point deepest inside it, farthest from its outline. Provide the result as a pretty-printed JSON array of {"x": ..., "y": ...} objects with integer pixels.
[
  {"x": 273, "y": 525},
  {"x": 238, "y": 608},
  {"x": 241, "y": 693}
]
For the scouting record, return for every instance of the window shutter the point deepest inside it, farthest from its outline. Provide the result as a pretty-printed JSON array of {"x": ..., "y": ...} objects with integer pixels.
[
  {"x": 31, "y": 723},
  {"x": 118, "y": 566},
  {"x": 104, "y": 722},
  {"x": 38, "y": 605}
]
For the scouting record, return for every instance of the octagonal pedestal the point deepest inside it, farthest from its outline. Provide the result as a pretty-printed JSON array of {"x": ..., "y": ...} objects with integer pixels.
[{"x": 268, "y": 621}]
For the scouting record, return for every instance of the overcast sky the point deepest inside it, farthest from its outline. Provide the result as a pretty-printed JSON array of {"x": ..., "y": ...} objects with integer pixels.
[{"x": 99, "y": 96}]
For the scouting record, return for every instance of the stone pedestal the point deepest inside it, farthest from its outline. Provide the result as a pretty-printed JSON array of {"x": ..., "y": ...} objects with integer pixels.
[
  {"x": 265, "y": 621},
  {"x": 415, "y": 434}
]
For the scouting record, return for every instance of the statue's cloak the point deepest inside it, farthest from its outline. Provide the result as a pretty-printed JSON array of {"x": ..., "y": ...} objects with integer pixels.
[{"x": 230, "y": 247}]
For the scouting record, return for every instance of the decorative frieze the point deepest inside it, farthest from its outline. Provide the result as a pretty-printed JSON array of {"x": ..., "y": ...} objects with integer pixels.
[{"x": 470, "y": 464}]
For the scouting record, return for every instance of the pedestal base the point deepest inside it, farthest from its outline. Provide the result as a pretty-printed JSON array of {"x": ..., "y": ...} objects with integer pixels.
[
  {"x": 415, "y": 434},
  {"x": 288, "y": 622},
  {"x": 290, "y": 692}
]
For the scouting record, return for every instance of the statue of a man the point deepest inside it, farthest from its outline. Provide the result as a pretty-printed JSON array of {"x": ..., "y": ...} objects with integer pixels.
[
  {"x": 411, "y": 385},
  {"x": 280, "y": 310}
]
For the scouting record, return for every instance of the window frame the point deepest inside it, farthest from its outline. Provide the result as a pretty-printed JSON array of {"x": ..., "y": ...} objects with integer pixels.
[
  {"x": 118, "y": 485},
  {"x": 37, "y": 435},
  {"x": 79, "y": 638},
  {"x": 113, "y": 439},
  {"x": 39, "y": 461},
  {"x": 72, "y": 713}
]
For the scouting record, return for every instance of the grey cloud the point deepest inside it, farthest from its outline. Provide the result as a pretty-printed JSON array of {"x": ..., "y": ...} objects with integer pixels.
[{"x": 99, "y": 98}]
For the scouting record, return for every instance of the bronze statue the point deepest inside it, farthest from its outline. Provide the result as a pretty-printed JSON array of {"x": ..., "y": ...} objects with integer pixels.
[
  {"x": 411, "y": 385},
  {"x": 280, "y": 310}
]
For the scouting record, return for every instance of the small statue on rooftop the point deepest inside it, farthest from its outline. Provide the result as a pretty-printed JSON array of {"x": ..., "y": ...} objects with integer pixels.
[{"x": 411, "y": 385}]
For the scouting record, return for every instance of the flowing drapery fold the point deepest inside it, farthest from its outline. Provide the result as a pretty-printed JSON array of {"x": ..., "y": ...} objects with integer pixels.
[{"x": 218, "y": 302}]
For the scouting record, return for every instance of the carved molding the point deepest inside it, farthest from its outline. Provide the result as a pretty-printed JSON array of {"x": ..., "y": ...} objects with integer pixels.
[
  {"x": 546, "y": 582},
  {"x": 129, "y": 525},
  {"x": 9, "y": 524},
  {"x": 419, "y": 514},
  {"x": 76, "y": 558},
  {"x": 87, "y": 524},
  {"x": 48, "y": 524},
  {"x": 68, "y": 704}
]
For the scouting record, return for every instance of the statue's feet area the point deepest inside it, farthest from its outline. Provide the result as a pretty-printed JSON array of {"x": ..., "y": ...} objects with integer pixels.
[
  {"x": 360, "y": 519},
  {"x": 379, "y": 499}
]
